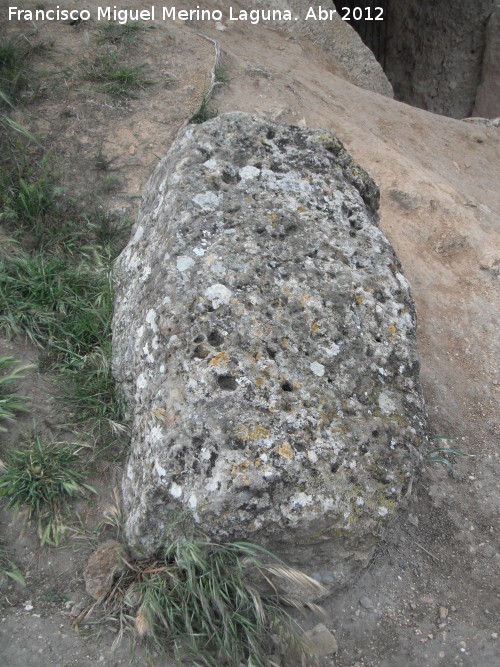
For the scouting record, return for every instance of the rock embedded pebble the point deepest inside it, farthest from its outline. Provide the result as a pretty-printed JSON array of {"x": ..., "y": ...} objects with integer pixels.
[{"x": 264, "y": 338}]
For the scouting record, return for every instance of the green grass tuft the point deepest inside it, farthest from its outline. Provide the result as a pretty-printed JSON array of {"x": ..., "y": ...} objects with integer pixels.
[
  {"x": 38, "y": 482},
  {"x": 116, "y": 33},
  {"x": 440, "y": 454},
  {"x": 64, "y": 307},
  {"x": 94, "y": 400},
  {"x": 204, "y": 113},
  {"x": 55, "y": 270},
  {"x": 13, "y": 61},
  {"x": 200, "y": 601},
  {"x": 8, "y": 567},
  {"x": 222, "y": 75},
  {"x": 10, "y": 402},
  {"x": 115, "y": 78}
]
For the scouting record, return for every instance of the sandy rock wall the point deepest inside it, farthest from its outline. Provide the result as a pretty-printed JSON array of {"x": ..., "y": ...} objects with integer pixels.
[
  {"x": 264, "y": 337},
  {"x": 487, "y": 102},
  {"x": 435, "y": 52}
]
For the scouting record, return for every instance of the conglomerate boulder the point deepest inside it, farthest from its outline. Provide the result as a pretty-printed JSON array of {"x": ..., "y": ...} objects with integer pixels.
[{"x": 264, "y": 337}]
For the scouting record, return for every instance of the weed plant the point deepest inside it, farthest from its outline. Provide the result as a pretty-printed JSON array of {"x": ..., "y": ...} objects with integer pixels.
[
  {"x": 116, "y": 33},
  {"x": 440, "y": 454},
  {"x": 205, "y": 112},
  {"x": 37, "y": 483},
  {"x": 200, "y": 600},
  {"x": 56, "y": 288},
  {"x": 29, "y": 201},
  {"x": 95, "y": 401},
  {"x": 8, "y": 567},
  {"x": 32, "y": 207},
  {"x": 114, "y": 77},
  {"x": 66, "y": 309},
  {"x": 222, "y": 75},
  {"x": 13, "y": 66},
  {"x": 10, "y": 402}
]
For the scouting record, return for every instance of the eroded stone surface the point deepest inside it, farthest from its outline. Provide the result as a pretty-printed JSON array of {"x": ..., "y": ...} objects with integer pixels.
[
  {"x": 104, "y": 564},
  {"x": 264, "y": 337}
]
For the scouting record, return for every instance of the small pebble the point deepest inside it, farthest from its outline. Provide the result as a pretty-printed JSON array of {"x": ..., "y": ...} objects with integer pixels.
[
  {"x": 366, "y": 602},
  {"x": 443, "y": 613},
  {"x": 494, "y": 635}
]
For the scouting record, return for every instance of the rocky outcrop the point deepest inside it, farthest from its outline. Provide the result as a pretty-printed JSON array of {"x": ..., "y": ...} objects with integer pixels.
[
  {"x": 488, "y": 94},
  {"x": 435, "y": 51},
  {"x": 337, "y": 39},
  {"x": 264, "y": 337}
]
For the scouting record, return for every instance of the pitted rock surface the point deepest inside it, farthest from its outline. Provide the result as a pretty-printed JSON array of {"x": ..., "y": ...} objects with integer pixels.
[{"x": 264, "y": 337}]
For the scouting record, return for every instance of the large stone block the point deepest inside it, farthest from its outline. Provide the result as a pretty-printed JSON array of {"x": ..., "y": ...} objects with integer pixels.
[{"x": 264, "y": 336}]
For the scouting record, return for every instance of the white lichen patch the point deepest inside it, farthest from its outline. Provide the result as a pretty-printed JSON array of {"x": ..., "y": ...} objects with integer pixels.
[
  {"x": 208, "y": 201},
  {"x": 312, "y": 456},
  {"x": 149, "y": 357},
  {"x": 218, "y": 294},
  {"x": 175, "y": 490},
  {"x": 139, "y": 335},
  {"x": 142, "y": 381},
  {"x": 146, "y": 272},
  {"x": 387, "y": 403},
  {"x": 317, "y": 368},
  {"x": 151, "y": 320},
  {"x": 159, "y": 469},
  {"x": 248, "y": 172},
  {"x": 301, "y": 499},
  {"x": 184, "y": 263},
  {"x": 139, "y": 232},
  {"x": 218, "y": 269},
  {"x": 333, "y": 350}
]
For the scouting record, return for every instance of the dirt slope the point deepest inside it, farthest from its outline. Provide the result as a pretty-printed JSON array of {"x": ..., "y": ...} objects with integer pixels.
[{"x": 431, "y": 596}]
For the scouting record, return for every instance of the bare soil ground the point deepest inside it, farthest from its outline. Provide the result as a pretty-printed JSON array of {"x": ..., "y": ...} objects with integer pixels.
[{"x": 431, "y": 596}]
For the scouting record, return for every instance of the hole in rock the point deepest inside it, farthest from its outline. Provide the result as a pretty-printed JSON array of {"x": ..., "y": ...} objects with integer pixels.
[
  {"x": 286, "y": 386},
  {"x": 230, "y": 175},
  {"x": 215, "y": 338},
  {"x": 201, "y": 352},
  {"x": 335, "y": 466},
  {"x": 363, "y": 448},
  {"x": 227, "y": 382}
]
